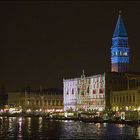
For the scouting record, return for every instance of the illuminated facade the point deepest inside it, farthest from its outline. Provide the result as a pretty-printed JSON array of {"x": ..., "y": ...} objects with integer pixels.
[
  {"x": 125, "y": 100},
  {"x": 91, "y": 92},
  {"x": 85, "y": 93},
  {"x": 70, "y": 94},
  {"x": 120, "y": 49},
  {"x": 44, "y": 100}
]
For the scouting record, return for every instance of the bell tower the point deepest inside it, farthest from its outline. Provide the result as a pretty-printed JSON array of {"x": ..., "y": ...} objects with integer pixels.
[{"x": 120, "y": 48}]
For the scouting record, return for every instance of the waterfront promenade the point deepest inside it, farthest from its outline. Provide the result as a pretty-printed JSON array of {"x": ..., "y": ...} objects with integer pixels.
[{"x": 75, "y": 118}]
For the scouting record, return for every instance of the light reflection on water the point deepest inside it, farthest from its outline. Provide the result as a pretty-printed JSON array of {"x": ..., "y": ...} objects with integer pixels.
[
  {"x": 10, "y": 125},
  {"x": 105, "y": 124},
  {"x": 120, "y": 125},
  {"x": 29, "y": 125},
  {"x": 40, "y": 124},
  {"x": 40, "y": 128},
  {"x": 138, "y": 131},
  {"x": 98, "y": 125},
  {"x": 20, "y": 131}
]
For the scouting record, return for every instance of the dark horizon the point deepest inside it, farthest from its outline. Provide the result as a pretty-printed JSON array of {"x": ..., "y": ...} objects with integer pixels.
[{"x": 43, "y": 42}]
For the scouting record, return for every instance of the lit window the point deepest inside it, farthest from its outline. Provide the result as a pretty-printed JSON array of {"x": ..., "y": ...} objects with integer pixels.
[
  {"x": 28, "y": 102},
  {"x": 125, "y": 54}
]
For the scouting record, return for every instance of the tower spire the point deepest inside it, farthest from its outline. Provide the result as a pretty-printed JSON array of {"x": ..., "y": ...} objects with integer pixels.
[
  {"x": 120, "y": 30},
  {"x": 120, "y": 49}
]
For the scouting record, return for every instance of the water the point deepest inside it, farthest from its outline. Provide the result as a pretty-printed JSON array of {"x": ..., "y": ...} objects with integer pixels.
[{"x": 39, "y": 128}]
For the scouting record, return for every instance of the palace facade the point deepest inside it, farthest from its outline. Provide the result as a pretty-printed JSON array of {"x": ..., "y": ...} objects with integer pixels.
[
  {"x": 85, "y": 93},
  {"x": 44, "y": 100}
]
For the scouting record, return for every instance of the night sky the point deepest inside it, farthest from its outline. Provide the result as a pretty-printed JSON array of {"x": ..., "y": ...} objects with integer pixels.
[{"x": 43, "y": 42}]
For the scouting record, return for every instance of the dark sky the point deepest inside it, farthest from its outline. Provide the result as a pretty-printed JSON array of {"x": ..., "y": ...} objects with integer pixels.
[{"x": 43, "y": 42}]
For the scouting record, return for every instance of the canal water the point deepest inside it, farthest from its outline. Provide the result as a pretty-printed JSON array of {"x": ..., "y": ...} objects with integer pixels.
[{"x": 40, "y": 128}]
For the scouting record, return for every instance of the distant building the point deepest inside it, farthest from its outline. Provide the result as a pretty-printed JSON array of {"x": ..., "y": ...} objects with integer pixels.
[
  {"x": 44, "y": 100},
  {"x": 126, "y": 103},
  {"x": 125, "y": 100},
  {"x": 93, "y": 92}
]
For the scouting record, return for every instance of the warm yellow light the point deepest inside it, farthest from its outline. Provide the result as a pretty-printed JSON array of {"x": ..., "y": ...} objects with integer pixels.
[
  {"x": 28, "y": 110},
  {"x": 100, "y": 109},
  {"x": 138, "y": 108},
  {"x": 117, "y": 108},
  {"x": 113, "y": 108}
]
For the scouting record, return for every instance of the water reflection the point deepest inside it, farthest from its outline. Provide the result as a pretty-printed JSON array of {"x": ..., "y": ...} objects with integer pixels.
[
  {"x": 20, "y": 129},
  {"x": 105, "y": 124},
  {"x": 29, "y": 125},
  {"x": 98, "y": 125},
  {"x": 40, "y": 124},
  {"x": 40, "y": 128},
  {"x": 120, "y": 125},
  {"x": 10, "y": 125},
  {"x": 138, "y": 132}
]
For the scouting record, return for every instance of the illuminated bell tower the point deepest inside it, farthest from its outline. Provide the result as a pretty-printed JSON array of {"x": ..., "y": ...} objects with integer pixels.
[{"x": 119, "y": 49}]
